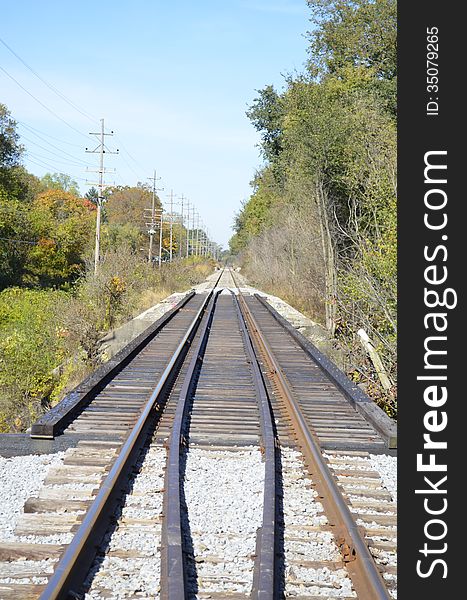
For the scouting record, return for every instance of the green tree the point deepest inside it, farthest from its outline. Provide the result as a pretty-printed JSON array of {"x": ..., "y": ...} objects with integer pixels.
[
  {"x": 15, "y": 239},
  {"x": 63, "y": 226},
  {"x": 354, "y": 36},
  {"x": 116, "y": 236},
  {"x": 17, "y": 189},
  {"x": 10, "y": 148},
  {"x": 31, "y": 346},
  {"x": 92, "y": 195},
  {"x": 13, "y": 181},
  {"x": 358, "y": 33},
  {"x": 320, "y": 225},
  {"x": 60, "y": 181},
  {"x": 266, "y": 115}
]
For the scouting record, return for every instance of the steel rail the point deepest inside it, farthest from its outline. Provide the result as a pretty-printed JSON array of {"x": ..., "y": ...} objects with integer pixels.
[
  {"x": 79, "y": 554},
  {"x": 173, "y": 573},
  {"x": 264, "y": 578},
  {"x": 61, "y": 415},
  {"x": 370, "y": 411},
  {"x": 366, "y": 578}
]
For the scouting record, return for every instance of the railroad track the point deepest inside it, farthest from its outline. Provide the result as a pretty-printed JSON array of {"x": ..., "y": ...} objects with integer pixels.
[{"x": 245, "y": 469}]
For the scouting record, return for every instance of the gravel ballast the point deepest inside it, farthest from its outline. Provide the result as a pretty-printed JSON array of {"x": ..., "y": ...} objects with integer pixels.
[
  {"x": 130, "y": 566},
  {"x": 386, "y": 466},
  {"x": 21, "y": 477},
  {"x": 303, "y": 541},
  {"x": 374, "y": 509},
  {"x": 224, "y": 499}
]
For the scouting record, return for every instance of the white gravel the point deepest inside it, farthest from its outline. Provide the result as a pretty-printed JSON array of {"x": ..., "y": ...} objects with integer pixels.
[
  {"x": 21, "y": 477},
  {"x": 302, "y": 542},
  {"x": 224, "y": 498},
  {"x": 386, "y": 466},
  {"x": 383, "y": 464},
  {"x": 138, "y": 574}
]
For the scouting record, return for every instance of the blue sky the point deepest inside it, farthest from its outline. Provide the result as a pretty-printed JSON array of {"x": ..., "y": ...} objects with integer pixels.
[{"x": 172, "y": 79}]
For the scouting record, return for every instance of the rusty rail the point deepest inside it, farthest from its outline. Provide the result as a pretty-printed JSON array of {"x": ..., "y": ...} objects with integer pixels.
[
  {"x": 55, "y": 420},
  {"x": 371, "y": 412},
  {"x": 264, "y": 578},
  {"x": 173, "y": 572},
  {"x": 173, "y": 575},
  {"x": 68, "y": 576},
  {"x": 366, "y": 579}
]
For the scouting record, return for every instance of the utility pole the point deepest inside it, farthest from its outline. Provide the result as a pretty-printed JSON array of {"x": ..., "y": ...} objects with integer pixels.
[
  {"x": 188, "y": 229},
  {"x": 100, "y": 149},
  {"x": 197, "y": 234},
  {"x": 160, "y": 238},
  {"x": 203, "y": 240},
  {"x": 182, "y": 198},
  {"x": 193, "y": 231},
  {"x": 152, "y": 224},
  {"x": 171, "y": 222}
]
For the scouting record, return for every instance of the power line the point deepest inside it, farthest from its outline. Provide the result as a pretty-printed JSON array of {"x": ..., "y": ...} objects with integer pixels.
[
  {"x": 49, "y": 85},
  {"x": 124, "y": 183},
  {"x": 48, "y": 166},
  {"x": 122, "y": 146},
  {"x": 56, "y": 148},
  {"x": 42, "y": 104},
  {"x": 65, "y": 162},
  {"x": 78, "y": 162},
  {"x": 31, "y": 243},
  {"x": 130, "y": 167},
  {"x": 33, "y": 130}
]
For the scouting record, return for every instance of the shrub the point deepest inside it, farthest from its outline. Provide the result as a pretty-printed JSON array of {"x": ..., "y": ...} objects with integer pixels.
[{"x": 31, "y": 346}]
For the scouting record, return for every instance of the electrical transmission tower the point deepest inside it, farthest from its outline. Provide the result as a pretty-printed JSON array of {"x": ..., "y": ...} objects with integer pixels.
[{"x": 100, "y": 149}]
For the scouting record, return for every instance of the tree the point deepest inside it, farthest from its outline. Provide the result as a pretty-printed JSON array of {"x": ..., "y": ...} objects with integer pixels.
[
  {"x": 63, "y": 227},
  {"x": 266, "y": 115},
  {"x": 126, "y": 205},
  {"x": 356, "y": 35},
  {"x": 115, "y": 237},
  {"x": 12, "y": 180},
  {"x": 15, "y": 234},
  {"x": 17, "y": 188},
  {"x": 359, "y": 33},
  {"x": 92, "y": 195},
  {"x": 320, "y": 225},
  {"x": 60, "y": 181},
  {"x": 10, "y": 148}
]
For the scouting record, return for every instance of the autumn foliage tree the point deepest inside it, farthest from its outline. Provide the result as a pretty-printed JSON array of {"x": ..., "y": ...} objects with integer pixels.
[{"x": 63, "y": 225}]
